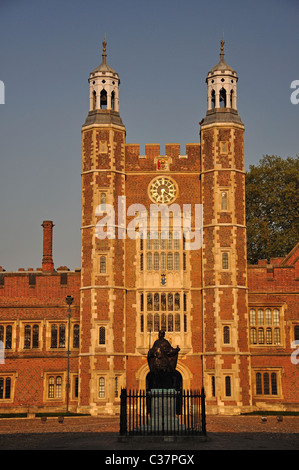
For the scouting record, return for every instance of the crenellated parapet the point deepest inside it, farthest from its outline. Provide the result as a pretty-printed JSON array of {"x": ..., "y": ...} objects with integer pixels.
[{"x": 169, "y": 158}]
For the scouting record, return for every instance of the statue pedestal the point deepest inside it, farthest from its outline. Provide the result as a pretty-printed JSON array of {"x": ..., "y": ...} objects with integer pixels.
[{"x": 163, "y": 410}]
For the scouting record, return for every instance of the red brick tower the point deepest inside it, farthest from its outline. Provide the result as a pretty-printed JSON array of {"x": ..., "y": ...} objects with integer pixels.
[
  {"x": 102, "y": 260},
  {"x": 226, "y": 359}
]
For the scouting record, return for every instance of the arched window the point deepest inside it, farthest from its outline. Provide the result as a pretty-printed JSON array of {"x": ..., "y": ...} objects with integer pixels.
[
  {"x": 54, "y": 336},
  {"x": 277, "y": 336},
  {"x": 103, "y": 264},
  {"x": 58, "y": 387},
  {"x": 55, "y": 387},
  {"x": 149, "y": 261},
  {"x": 101, "y": 387},
  {"x": 103, "y": 201},
  {"x": 94, "y": 100},
  {"x": 141, "y": 303},
  {"x": 76, "y": 330},
  {"x": 62, "y": 335},
  {"x": 266, "y": 384},
  {"x": 213, "y": 99},
  {"x": 31, "y": 336},
  {"x": 5, "y": 388},
  {"x": 169, "y": 261},
  {"x": 102, "y": 335},
  {"x": 226, "y": 335},
  {"x": 149, "y": 302},
  {"x": 269, "y": 336},
  {"x": 268, "y": 317},
  {"x": 222, "y": 97},
  {"x": 27, "y": 337},
  {"x": 276, "y": 316},
  {"x": 252, "y": 317},
  {"x": 51, "y": 387},
  {"x": 228, "y": 390},
  {"x": 225, "y": 260},
  {"x": 253, "y": 336},
  {"x": 260, "y": 316},
  {"x": 141, "y": 262},
  {"x": 163, "y": 260},
  {"x": 177, "y": 302},
  {"x": 103, "y": 99},
  {"x": 170, "y": 302},
  {"x": 258, "y": 382},
  {"x": 6, "y": 336},
  {"x": 224, "y": 201},
  {"x": 274, "y": 383},
  {"x": 213, "y": 387},
  {"x": 261, "y": 335},
  {"x": 35, "y": 336},
  {"x": 185, "y": 302}
]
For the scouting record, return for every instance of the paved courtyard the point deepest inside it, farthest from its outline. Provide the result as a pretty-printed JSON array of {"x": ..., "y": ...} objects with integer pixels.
[{"x": 101, "y": 433}]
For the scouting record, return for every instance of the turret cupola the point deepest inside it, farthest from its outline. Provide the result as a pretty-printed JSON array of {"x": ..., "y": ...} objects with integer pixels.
[
  {"x": 103, "y": 94},
  {"x": 222, "y": 92}
]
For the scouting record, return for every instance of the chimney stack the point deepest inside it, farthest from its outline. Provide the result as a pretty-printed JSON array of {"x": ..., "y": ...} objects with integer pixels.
[{"x": 48, "y": 264}]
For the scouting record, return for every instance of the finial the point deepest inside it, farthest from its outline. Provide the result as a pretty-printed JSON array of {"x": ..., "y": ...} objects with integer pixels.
[
  {"x": 104, "y": 46},
  {"x": 222, "y": 42}
]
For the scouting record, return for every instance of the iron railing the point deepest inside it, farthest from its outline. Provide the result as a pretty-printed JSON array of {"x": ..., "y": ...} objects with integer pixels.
[{"x": 160, "y": 411}]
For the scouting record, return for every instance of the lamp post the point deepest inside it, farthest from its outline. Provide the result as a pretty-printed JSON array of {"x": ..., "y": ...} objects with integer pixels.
[{"x": 69, "y": 300}]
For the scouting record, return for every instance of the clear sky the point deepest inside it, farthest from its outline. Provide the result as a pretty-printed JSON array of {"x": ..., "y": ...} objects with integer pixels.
[{"x": 162, "y": 50}]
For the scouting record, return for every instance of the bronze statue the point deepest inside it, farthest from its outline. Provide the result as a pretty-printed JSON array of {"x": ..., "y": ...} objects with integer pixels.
[{"x": 162, "y": 360}]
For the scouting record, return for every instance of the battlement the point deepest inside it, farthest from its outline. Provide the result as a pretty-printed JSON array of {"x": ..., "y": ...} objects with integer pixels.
[
  {"x": 172, "y": 157},
  {"x": 154, "y": 150}
]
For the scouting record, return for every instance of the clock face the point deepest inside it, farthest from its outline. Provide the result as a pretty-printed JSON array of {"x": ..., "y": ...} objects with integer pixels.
[{"x": 162, "y": 190}]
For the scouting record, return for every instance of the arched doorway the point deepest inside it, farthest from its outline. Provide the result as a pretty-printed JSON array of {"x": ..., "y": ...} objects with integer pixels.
[{"x": 185, "y": 376}]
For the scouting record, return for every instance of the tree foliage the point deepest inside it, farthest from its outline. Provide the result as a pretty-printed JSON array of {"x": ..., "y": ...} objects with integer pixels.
[{"x": 272, "y": 207}]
